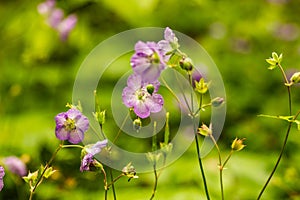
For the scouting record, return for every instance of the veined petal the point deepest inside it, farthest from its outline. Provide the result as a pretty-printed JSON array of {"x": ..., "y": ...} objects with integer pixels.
[
  {"x": 141, "y": 110},
  {"x": 62, "y": 133},
  {"x": 76, "y": 136},
  {"x": 155, "y": 103}
]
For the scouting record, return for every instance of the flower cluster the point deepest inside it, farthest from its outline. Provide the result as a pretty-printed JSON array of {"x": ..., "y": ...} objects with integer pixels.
[
  {"x": 148, "y": 61},
  {"x": 56, "y": 20},
  {"x": 71, "y": 125},
  {"x": 2, "y": 173}
]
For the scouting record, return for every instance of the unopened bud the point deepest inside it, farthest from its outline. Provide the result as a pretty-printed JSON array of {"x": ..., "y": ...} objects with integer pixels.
[
  {"x": 216, "y": 102},
  {"x": 295, "y": 77},
  {"x": 137, "y": 124},
  {"x": 150, "y": 89},
  {"x": 186, "y": 64}
]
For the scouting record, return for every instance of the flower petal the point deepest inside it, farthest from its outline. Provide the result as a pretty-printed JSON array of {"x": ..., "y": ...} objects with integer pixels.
[
  {"x": 155, "y": 103},
  {"x": 61, "y": 133},
  {"x": 141, "y": 110},
  {"x": 76, "y": 136}
]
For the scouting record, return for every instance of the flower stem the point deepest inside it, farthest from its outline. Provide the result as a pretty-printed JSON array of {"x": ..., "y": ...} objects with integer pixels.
[
  {"x": 286, "y": 135},
  {"x": 40, "y": 178},
  {"x": 221, "y": 167},
  {"x": 112, "y": 184},
  {"x": 155, "y": 182}
]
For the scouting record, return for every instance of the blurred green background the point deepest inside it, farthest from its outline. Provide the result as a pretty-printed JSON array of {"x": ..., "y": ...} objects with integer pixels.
[{"x": 37, "y": 71}]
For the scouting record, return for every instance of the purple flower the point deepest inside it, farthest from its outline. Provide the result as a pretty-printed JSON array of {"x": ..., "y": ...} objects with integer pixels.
[
  {"x": 86, "y": 162},
  {"x": 169, "y": 43},
  {"x": 55, "y": 17},
  {"x": 147, "y": 61},
  {"x": 15, "y": 165},
  {"x": 142, "y": 96},
  {"x": 2, "y": 173},
  {"x": 71, "y": 126},
  {"x": 91, "y": 150},
  {"x": 46, "y": 7},
  {"x": 66, "y": 26}
]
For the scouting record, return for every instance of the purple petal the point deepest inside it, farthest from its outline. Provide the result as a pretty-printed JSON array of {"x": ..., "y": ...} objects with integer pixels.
[
  {"x": 141, "y": 110},
  {"x": 61, "y": 133},
  {"x": 142, "y": 47},
  {"x": 2, "y": 173},
  {"x": 96, "y": 148},
  {"x": 155, "y": 103},
  {"x": 76, "y": 136},
  {"x": 151, "y": 73},
  {"x": 66, "y": 26},
  {"x": 128, "y": 97},
  {"x": 82, "y": 123},
  {"x": 134, "y": 81},
  {"x": 85, "y": 163},
  {"x": 55, "y": 17},
  {"x": 46, "y": 7},
  {"x": 15, "y": 165}
]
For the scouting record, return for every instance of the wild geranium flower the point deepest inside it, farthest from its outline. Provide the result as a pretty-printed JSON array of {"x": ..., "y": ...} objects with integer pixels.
[
  {"x": 15, "y": 165},
  {"x": 90, "y": 151},
  {"x": 2, "y": 173},
  {"x": 71, "y": 126},
  {"x": 142, "y": 96},
  {"x": 169, "y": 43},
  {"x": 147, "y": 61}
]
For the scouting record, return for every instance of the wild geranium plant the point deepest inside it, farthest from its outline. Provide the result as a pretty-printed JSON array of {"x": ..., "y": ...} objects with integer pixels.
[{"x": 142, "y": 97}]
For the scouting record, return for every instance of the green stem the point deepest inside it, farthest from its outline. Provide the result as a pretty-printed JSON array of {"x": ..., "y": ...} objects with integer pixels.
[
  {"x": 286, "y": 135},
  {"x": 105, "y": 183},
  {"x": 112, "y": 183},
  {"x": 156, "y": 180},
  {"x": 221, "y": 167}
]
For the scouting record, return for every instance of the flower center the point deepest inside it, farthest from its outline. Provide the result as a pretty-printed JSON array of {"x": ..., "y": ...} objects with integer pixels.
[
  {"x": 70, "y": 124},
  {"x": 154, "y": 58},
  {"x": 141, "y": 94}
]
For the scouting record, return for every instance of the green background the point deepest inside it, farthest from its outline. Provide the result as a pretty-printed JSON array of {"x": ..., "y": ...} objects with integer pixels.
[{"x": 37, "y": 71}]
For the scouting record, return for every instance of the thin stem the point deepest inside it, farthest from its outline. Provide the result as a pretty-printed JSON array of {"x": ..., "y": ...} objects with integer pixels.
[
  {"x": 112, "y": 183},
  {"x": 277, "y": 163},
  {"x": 120, "y": 129},
  {"x": 40, "y": 179},
  {"x": 286, "y": 135},
  {"x": 114, "y": 180},
  {"x": 221, "y": 167},
  {"x": 105, "y": 183},
  {"x": 155, "y": 182}
]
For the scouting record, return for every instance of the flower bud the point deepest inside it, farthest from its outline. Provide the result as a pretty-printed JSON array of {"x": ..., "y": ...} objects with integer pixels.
[
  {"x": 295, "y": 77},
  {"x": 150, "y": 89},
  {"x": 186, "y": 64},
  {"x": 204, "y": 130},
  {"x": 237, "y": 144},
  {"x": 129, "y": 171},
  {"x": 137, "y": 124},
  {"x": 100, "y": 116},
  {"x": 216, "y": 102}
]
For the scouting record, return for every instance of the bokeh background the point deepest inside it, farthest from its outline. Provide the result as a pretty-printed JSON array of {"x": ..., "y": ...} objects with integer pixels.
[{"x": 37, "y": 71}]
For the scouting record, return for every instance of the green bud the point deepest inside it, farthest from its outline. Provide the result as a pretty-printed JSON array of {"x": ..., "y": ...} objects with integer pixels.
[
  {"x": 216, "y": 102},
  {"x": 237, "y": 144},
  {"x": 186, "y": 64},
  {"x": 204, "y": 130},
  {"x": 150, "y": 89},
  {"x": 100, "y": 116},
  {"x": 201, "y": 86},
  {"x": 295, "y": 77},
  {"x": 137, "y": 124}
]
